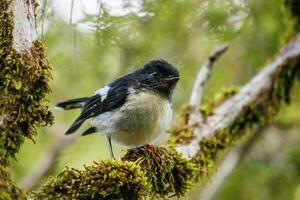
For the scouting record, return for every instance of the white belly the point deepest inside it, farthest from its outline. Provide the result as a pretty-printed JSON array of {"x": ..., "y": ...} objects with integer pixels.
[{"x": 142, "y": 119}]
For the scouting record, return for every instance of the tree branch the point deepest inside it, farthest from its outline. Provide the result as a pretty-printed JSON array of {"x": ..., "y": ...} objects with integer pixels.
[
  {"x": 256, "y": 93},
  {"x": 228, "y": 164},
  {"x": 202, "y": 77}
]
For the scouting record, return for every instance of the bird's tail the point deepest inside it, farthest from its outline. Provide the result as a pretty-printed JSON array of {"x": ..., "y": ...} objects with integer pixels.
[{"x": 72, "y": 103}]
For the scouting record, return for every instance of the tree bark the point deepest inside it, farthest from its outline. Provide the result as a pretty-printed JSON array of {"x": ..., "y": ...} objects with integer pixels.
[{"x": 24, "y": 77}]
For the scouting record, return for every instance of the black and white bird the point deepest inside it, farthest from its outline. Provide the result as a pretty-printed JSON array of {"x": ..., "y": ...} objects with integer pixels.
[{"x": 133, "y": 110}]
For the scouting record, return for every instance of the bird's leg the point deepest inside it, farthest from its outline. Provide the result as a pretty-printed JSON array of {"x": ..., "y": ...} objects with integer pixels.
[{"x": 110, "y": 148}]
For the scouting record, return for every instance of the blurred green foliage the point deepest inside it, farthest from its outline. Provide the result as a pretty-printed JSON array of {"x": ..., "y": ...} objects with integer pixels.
[
  {"x": 182, "y": 32},
  {"x": 271, "y": 171}
]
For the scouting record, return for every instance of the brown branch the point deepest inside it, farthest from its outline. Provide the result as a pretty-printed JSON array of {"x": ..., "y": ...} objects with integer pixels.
[{"x": 255, "y": 93}]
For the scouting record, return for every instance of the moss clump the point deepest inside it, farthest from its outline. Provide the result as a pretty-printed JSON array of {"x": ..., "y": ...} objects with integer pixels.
[
  {"x": 180, "y": 132},
  {"x": 7, "y": 189},
  {"x": 224, "y": 94},
  {"x": 105, "y": 180},
  {"x": 24, "y": 81},
  {"x": 210, "y": 148},
  {"x": 221, "y": 96},
  {"x": 147, "y": 171},
  {"x": 167, "y": 172}
]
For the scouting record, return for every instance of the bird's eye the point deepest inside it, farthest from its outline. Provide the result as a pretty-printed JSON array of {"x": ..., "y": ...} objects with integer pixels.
[{"x": 154, "y": 74}]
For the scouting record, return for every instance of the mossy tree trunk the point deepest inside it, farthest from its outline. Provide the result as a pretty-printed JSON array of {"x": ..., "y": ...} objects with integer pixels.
[{"x": 24, "y": 77}]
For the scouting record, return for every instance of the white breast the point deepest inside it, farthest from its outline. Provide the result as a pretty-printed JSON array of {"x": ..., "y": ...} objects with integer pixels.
[{"x": 142, "y": 119}]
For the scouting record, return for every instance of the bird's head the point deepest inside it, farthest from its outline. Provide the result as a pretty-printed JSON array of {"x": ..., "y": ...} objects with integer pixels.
[{"x": 159, "y": 76}]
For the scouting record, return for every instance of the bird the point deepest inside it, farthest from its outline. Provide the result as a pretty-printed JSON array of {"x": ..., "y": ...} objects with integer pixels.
[{"x": 132, "y": 110}]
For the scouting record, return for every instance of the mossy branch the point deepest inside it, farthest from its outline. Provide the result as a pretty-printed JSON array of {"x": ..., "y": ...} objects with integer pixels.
[{"x": 257, "y": 101}]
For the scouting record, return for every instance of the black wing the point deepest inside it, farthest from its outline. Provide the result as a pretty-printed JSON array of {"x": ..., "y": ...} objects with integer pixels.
[
  {"x": 89, "y": 109},
  {"x": 95, "y": 105}
]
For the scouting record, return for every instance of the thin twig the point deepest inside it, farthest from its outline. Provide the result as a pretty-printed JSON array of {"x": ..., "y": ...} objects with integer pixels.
[
  {"x": 203, "y": 75},
  {"x": 43, "y": 16},
  {"x": 199, "y": 83},
  {"x": 71, "y": 12},
  {"x": 71, "y": 23}
]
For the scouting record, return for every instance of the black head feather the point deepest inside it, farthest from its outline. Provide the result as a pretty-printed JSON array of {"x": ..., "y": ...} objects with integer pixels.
[
  {"x": 164, "y": 68},
  {"x": 159, "y": 76}
]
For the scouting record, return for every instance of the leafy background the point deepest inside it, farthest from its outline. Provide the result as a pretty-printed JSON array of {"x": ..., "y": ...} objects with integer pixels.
[{"x": 88, "y": 53}]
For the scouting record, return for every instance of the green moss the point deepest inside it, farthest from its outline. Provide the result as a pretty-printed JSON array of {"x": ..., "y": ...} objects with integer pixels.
[
  {"x": 164, "y": 172},
  {"x": 24, "y": 81},
  {"x": 105, "y": 180},
  {"x": 147, "y": 171},
  {"x": 224, "y": 94},
  {"x": 167, "y": 172},
  {"x": 221, "y": 96},
  {"x": 180, "y": 132},
  {"x": 210, "y": 148},
  {"x": 7, "y": 189}
]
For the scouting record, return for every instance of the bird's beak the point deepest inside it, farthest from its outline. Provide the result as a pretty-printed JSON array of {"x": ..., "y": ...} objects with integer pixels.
[{"x": 172, "y": 79}]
